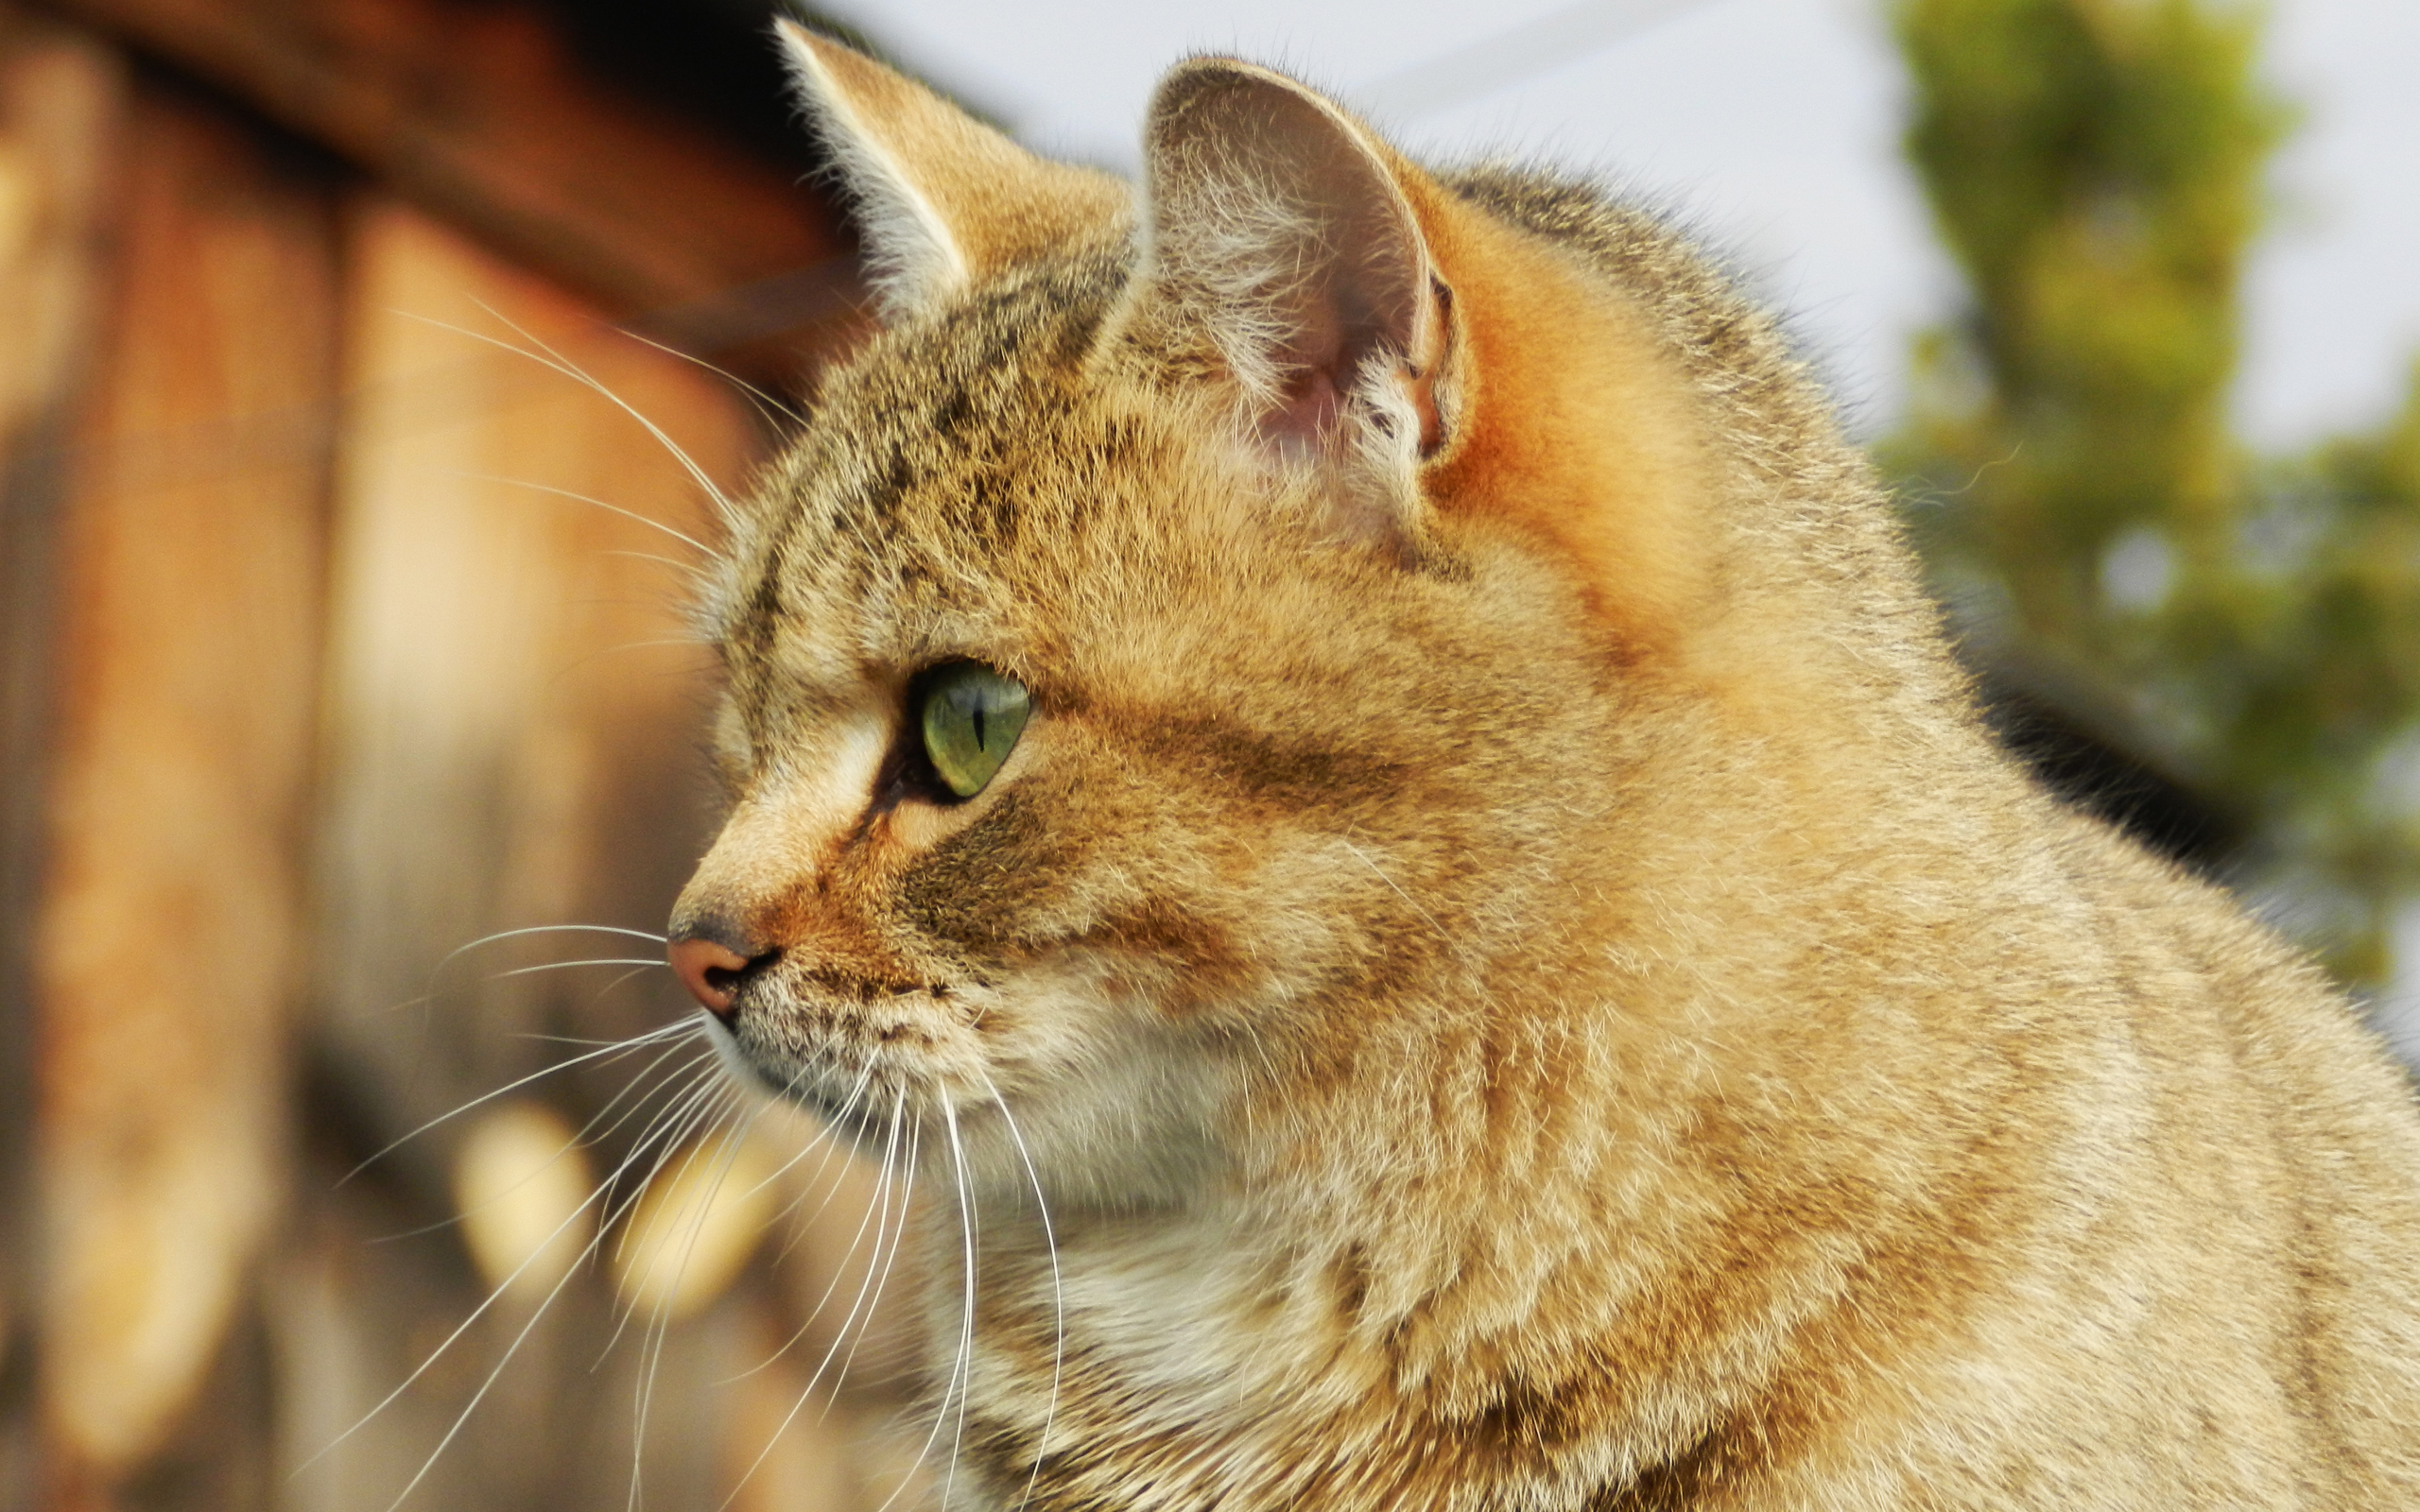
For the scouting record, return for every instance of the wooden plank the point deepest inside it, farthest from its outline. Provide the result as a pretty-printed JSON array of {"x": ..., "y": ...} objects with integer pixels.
[
  {"x": 170, "y": 939},
  {"x": 513, "y": 690},
  {"x": 514, "y": 708},
  {"x": 482, "y": 114},
  {"x": 61, "y": 95},
  {"x": 513, "y": 700}
]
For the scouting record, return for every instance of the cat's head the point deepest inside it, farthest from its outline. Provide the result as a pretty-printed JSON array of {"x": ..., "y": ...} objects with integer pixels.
[{"x": 1196, "y": 648}]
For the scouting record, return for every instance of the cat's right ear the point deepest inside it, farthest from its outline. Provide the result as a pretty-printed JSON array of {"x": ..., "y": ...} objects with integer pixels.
[
  {"x": 941, "y": 199},
  {"x": 1284, "y": 242}
]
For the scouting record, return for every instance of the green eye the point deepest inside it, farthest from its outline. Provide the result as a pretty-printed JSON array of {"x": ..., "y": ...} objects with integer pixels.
[{"x": 971, "y": 717}]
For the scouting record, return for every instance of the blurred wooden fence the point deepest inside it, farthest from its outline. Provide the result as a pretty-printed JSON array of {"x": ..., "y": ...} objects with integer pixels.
[{"x": 327, "y": 648}]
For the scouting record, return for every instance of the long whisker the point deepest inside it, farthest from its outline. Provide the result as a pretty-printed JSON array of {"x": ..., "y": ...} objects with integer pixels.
[
  {"x": 617, "y": 1047},
  {"x": 493, "y": 1297},
  {"x": 579, "y": 1140},
  {"x": 961, "y": 1369},
  {"x": 861, "y": 1307},
  {"x": 868, "y": 1291},
  {"x": 967, "y": 1323},
  {"x": 512, "y": 1350},
  {"x": 877, "y": 1206},
  {"x": 602, "y": 992},
  {"x": 1058, "y": 1288},
  {"x": 787, "y": 411},
  {"x": 663, "y": 1320},
  {"x": 566, "y": 966},
  {"x": 573, "y": 370},
  {"x": 596, "y": 1131},
  {"x": 438, "y": 970},
  {"x": 688, "y": 540},
  {"x": 660, "y": 560},
  {"x": 545, "y": 929},
  {"x": 831, "y": 1149},
  {"x": 878, "y": 1212},
  {"x": 668, "y": 1130},
  {"x": 705, "y": 1106},
  {"x": 886, "y": 1265}
]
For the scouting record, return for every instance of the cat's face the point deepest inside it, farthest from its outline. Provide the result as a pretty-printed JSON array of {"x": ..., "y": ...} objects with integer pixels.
[
  {"x": 1120, "y": 717},
  {"x": 1242, "y": 738}
]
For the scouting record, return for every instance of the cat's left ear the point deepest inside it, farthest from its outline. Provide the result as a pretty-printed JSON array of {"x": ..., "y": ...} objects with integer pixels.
[
  {"x": 942, "y": 200},
  {"x": 1284, "y": 237}
]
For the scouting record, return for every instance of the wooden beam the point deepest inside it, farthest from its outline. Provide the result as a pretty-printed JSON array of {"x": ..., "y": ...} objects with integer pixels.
[
  {"x": 62, "y": 103},
  {"x": 172, "y": 933},
  {"x": 482, "y": 115},
  {"x": 513, "y": 698}
]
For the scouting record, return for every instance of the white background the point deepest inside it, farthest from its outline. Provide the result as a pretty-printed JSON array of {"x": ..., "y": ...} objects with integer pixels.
[{"x": 1772, "y": 126}]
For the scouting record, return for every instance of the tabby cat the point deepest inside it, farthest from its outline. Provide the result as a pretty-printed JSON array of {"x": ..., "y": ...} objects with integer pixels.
[{"x": 1352, "y": 753}]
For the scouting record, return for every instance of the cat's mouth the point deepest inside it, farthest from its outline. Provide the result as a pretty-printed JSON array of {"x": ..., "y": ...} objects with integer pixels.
[{"x": 860, "y": 1053}]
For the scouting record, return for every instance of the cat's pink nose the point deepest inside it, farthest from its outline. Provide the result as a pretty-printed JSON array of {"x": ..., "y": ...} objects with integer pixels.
[{"x": 710, "y": 970}]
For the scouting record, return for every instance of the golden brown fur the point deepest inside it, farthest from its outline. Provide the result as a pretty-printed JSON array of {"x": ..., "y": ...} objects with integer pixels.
[{"x": 1524, "y": 982}]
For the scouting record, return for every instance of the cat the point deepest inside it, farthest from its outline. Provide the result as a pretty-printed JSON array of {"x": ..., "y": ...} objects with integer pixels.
[{"x": 1350, "y": 752}]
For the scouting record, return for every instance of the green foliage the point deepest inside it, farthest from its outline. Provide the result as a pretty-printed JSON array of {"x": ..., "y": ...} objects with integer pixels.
[{"x": 2096, "y": 169}]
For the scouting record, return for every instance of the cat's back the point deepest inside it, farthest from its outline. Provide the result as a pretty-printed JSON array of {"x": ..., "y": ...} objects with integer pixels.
[
  {"x": 2203, "y": 1219},
  {"x": 2221, "y": 1273}
]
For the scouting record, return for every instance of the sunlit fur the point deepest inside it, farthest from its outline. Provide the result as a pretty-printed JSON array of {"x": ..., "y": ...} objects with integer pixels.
[{"x": 1567, "y": 1010}]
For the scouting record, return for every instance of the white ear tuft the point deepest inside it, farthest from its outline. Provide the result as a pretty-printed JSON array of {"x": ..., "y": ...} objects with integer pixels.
[
  {"x": 942, "y": 199},
  {"x": 911, "y": 258}
]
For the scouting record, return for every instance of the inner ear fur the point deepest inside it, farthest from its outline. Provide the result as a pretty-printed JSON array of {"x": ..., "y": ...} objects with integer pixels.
[
  {"x": 942, "y": 200},
  {"x": 1434, "y": 360},
  {"x": 1279, "y": 233}
]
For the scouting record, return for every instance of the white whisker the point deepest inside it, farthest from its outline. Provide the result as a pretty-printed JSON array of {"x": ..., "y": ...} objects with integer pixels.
[
  {"x": 604, "y": 1052},
  {"x": 510, "y": 1349},
  {"x": 495, "y": 1295},
  {"x": 657, "y": 558},
  {"x": 438, "y": 971},
  {"x": 726, "y": 1157},
  {"x": 941, "y": 1412},
  {"x": 630, "y": 975},
  {"x": 545, "y": 929},
  {"x": 534, "y": 487},
  {"x": 589, "y": 1134},
  {"x": 886, "y": 1265},
  {"x": 651, "y": 1351},
  {"x": 579, "y": 1140},
  {"x": 1058, "y": 1288},
  {"x": 966, "y": 1324},
  {"x": 877, "y": 1212},
  {"x": 667, "y": 1131},
  {"x": 826, "y": 1138},
  {"x": 571, "y": 369},
  {"x": 763, "y": 399},
  {"x": 566, "y": 966},
  {"x": 882, "y": 1187}
]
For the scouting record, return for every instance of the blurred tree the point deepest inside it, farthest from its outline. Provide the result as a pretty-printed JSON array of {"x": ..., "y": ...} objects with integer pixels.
[{"x": 2096, "y": 167}]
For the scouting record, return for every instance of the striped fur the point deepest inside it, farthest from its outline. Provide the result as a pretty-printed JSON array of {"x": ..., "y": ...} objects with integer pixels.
[{"x": 1524, "y": 982}]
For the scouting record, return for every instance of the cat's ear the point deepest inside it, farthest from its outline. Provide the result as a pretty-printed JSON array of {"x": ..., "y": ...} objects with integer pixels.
[
  {"x": 942, "y": 200},
  {"x": 1285, "y": 233}
]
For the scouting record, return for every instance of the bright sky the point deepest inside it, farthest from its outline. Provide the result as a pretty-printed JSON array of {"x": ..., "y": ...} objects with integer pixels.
[{"x": 1772, "y": 124}]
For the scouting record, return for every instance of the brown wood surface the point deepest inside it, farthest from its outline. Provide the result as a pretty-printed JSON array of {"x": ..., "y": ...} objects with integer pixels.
[
  {"x": 61, "y": 100},
  {"x": 512, "y": 724},
  {"x": 171, "y": 934},
  {"x": 481, "y": 114},
  {"x": 310, "y": 680},
  {"x": 515, "y": 697}
]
